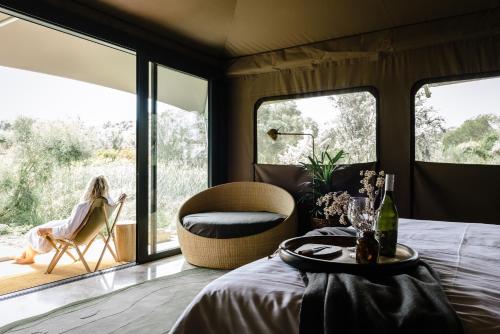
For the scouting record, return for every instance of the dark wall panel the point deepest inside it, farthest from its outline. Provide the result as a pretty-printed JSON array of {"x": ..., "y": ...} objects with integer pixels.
[{"x": 464, "y": 193}]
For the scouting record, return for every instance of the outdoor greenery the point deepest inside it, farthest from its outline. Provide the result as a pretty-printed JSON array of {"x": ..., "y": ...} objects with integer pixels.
[
  {"x": 321, "y": 168},
  {"x": 286, "y": 117},
  {"x": 352, "y": 128},
  {"x": 46, "y": 165},
  {"x": 476, "y": 140}
]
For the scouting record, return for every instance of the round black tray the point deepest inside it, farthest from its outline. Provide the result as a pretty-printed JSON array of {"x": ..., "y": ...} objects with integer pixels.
[{"x": 405, "y": 258}]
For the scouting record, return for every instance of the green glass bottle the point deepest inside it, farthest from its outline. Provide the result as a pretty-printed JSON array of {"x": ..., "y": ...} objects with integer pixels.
[{"x": 387, "y": 220}]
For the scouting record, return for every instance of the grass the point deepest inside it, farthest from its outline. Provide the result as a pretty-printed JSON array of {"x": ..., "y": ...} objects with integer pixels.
[{"x": 175, "y": 183}]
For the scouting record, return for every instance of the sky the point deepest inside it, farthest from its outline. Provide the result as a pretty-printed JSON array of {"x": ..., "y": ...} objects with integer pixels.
[
  {"x": 460, "y": 101},
  {"x": 454, "y": 102},
  {"x": 49, "y": 97}
]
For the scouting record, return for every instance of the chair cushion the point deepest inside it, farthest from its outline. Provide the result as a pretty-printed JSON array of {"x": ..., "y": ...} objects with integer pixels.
[{"x": 224, "y": 225}]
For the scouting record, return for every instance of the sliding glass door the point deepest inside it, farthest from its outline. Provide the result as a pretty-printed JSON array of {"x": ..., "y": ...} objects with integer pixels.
[
  {"x": 67, "y": 115},
  {"x": 178, "y": 150}
]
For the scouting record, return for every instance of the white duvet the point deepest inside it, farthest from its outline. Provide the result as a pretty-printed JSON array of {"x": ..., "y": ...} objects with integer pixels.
[{"x": 265, "y": 296}]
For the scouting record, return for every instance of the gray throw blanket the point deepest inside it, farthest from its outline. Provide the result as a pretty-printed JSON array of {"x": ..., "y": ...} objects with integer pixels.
[{"x": 410, "y": 302}]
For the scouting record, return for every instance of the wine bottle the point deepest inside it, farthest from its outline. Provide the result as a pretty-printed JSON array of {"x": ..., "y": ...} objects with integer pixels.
[{"x": 387, "y": 220}]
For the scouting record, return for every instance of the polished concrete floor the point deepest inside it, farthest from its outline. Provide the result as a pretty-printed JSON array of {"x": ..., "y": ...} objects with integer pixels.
[{"x": 42, "y": 301}]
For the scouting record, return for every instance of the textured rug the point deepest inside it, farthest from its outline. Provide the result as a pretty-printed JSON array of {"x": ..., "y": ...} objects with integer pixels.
[
  {"x": 15, "y": 277},
  {"x": 149, "y": 307}
]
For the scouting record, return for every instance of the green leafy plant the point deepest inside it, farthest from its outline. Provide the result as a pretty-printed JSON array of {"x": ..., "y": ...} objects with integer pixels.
[{"x": 321, "y": 169}]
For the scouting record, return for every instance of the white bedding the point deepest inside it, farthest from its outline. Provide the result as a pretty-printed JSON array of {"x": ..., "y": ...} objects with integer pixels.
[{"x": 265, "y": 296}]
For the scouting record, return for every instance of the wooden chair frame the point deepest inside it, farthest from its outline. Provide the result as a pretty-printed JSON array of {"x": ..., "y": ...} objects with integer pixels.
[{"x": 63, "y": 246}]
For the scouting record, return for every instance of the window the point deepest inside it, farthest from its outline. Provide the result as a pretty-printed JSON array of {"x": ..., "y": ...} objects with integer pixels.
[
  {"x": 178, "y": 149},
  {"x": 344, "y": 121},
  {"x": 67, "y": 114},
  {"x": 458, "y": 122}
]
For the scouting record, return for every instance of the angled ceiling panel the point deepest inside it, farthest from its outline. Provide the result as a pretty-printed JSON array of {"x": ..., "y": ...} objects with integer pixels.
[
  {"x": 28, "y": 46},
  {"x": 233, "y": 28}
]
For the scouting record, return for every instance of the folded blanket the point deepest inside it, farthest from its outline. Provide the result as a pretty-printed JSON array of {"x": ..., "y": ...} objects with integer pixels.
[{"x": 410, "y": 302}]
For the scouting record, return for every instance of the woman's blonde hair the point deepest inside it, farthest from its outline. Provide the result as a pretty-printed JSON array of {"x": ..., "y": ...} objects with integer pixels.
[{"x": 97, "y": 187}]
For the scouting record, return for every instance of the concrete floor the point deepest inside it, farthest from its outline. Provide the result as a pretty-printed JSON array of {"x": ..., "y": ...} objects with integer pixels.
[{"x": 38, "y": 302}]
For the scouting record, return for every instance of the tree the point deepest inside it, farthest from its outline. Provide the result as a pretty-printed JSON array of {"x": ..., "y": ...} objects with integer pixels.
[
  {"x": 117, "y": 136},
  {"x": 285, "y": 117},
  {"x": 475, "y": 141},
  {"x": 353, "y": 129},
  {"x": 36, "y": 149},
  {"x": 474, "y": 129},
  {"x": 429, "y": 127},
  {"x": 182, "y": 137}
]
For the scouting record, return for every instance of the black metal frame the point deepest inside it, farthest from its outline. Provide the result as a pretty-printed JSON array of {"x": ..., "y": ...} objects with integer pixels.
[
  {"x": 206, "y": 67},
  {"x": 371, "y": 89},
  {"x": 413, "y": 92},
  {"x": 147, "y": 202}
]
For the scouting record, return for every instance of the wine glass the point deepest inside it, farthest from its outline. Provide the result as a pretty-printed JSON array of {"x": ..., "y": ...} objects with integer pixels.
[{"x": 360, "y": 216}]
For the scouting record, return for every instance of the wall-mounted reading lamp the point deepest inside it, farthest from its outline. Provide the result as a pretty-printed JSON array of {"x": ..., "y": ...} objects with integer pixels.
[{"x": 274, "y": 133}]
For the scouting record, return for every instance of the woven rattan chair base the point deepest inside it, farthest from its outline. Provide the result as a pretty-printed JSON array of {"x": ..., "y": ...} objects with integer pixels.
[{"x": 237, "y": 196}]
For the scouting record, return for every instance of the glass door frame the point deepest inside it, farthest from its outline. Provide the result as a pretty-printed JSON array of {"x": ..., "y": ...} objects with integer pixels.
[
  {"x": 146, "y": 87},
  {"x": 203, "y": 66}
]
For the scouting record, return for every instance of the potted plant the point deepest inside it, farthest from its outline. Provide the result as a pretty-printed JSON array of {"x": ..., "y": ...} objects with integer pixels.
[{"x": 321, "y": 169}]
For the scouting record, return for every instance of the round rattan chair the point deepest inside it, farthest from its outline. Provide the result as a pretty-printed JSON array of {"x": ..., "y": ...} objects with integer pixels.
[{"x": 238, "y": 196}]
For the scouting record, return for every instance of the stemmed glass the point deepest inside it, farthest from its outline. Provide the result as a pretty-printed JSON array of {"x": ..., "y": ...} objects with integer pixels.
[
  {"x": 361, "y": 217},
  {"x": 360, "y": 214}
]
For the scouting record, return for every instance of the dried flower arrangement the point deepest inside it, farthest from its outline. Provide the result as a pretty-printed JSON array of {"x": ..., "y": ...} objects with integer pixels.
[{"x": 336, "y": 203}]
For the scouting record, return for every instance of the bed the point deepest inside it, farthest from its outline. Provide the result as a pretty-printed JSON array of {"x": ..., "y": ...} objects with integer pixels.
[{"x": 265, "y": 296}]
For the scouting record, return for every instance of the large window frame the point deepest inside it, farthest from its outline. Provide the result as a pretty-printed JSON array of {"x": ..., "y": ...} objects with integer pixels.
[
  {"x": 370, "y": 89},
  {"x": 413, "y": 92},
  {"x": 143, "y": 131},
  {"x": 145, "y": 52}
]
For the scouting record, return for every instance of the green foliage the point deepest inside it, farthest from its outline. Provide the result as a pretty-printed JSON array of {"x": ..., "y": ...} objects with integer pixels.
[
  {"x": 182, "y": 137},
  {"x": 321, "y": 169},
  {"x": 354, "y": 129},
  {"x": 429, "y": 127},
  {"x": 287, "y": 118},
  {"x": 117, "y": 136},
  {"x": 64, "y": 144},
  {"x": 35, "y": 154},
  {"x": 112, "y": 154},
  {"x": 46, "y": 166},
  {"x": 475, "y": 129},
  {"x": 176, "y": 183},
  {"x": 476, "y": 140}
]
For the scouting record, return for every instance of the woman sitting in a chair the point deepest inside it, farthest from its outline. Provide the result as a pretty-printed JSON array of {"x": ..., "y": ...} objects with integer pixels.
[{"x": 63, "y": 229}]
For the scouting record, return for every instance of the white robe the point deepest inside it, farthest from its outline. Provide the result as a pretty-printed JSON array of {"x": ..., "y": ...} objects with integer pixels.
[{"x": 61, "y": 229}]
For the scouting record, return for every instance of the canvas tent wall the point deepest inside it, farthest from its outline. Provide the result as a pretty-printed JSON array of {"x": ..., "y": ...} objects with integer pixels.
[{"x": 392, "y": 61}]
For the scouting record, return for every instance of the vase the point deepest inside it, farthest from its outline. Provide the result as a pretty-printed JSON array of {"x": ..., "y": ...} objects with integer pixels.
[{"x": 367, "y": 247}]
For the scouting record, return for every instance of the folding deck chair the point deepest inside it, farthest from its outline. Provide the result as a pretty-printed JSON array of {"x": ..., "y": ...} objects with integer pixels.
[{"x": 91, "y": 228}]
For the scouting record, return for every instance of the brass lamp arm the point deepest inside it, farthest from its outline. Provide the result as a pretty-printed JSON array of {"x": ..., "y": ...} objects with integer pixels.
[{"x": 299, "y": 134}]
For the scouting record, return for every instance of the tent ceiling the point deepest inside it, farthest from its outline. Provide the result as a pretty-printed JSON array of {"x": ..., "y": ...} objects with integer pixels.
[{"x": 233, "y": 28}]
